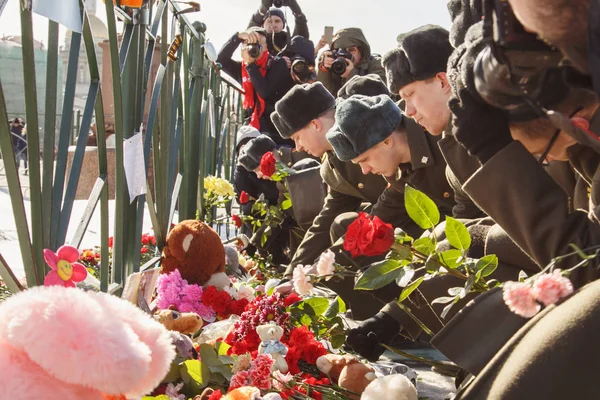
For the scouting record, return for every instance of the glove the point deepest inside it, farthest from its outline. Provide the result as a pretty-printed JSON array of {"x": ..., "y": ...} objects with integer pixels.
[
  {"x": 264, "y": 6},
  {"x": 294, "y": 6},
  {"x": 479, "y": 127},
  {"x": 365, "y": 338}
]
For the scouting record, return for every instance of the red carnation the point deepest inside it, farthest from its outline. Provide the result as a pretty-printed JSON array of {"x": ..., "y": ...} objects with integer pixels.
[
  {"x": 368, "y": 237},
  {"x": 293, "y": 298},
  {"x": 244, "y": 197},
  {"x": 267, "y": 164},
  {"x": 216, "y": 395},
  {"x": 237, "y": 221}
]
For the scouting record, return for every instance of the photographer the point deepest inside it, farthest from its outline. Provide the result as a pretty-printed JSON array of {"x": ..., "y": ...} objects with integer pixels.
[
  {"x": 274, "y": 22},
  {"x": 265, "y": 78},
  {"x": 350, "y": 55},
  {"x": 299, "y": 56}
]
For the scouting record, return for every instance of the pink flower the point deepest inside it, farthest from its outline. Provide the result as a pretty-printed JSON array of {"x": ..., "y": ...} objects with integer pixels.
[
  {"x": 239, "y": 379},
  {"x": 260, "y": 371},
  {"x": 172, "y": 392},
  {"x": 519, "y": 298},
  {"x": 549, "y": 288},
  {"x": 325, "y": 265},
  {"x": 65, "y": 268},
  {"x": 301, "y": 280}
]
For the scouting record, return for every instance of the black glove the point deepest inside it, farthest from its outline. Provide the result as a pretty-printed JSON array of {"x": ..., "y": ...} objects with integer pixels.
[
  {"x": 265, "y": 5},
  {"x": 481, "y": 128},
  {"x": 294, "y": 6},
  {"x": 365, "y": 338}
]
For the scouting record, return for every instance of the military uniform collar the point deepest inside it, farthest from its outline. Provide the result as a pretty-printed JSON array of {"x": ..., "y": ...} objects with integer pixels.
[{"x": 420, "y": 149}]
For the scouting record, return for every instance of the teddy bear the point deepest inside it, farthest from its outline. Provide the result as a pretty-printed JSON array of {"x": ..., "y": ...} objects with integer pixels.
[
  {"x": 395, "y": 386},
  {"x": 196, "y": 250},
  {"x": 180, "y": 325},
  {"x": 348, "y": 371},
  {"x": 64, "y": 343},
  {"x": 187, "y": 323},
  {"x": 270, "y": 336}
]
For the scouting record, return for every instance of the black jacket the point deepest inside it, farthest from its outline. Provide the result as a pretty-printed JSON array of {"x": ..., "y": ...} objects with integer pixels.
[{"x": 270, "y": 88}]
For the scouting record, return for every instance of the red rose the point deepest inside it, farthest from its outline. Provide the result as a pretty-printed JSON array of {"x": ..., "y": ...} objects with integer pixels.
[
  {"x": 353, "y": 233},
  {"x": 237, "y": 221},
  {"x": 267, "y": 164},
  {"x": 110, "y": 242},
  {"x": 368, "y": 237},
  {"x": 244, "y": 197}
]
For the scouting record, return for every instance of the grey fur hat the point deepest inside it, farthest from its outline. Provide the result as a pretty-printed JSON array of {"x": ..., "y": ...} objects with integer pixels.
[
  {"x": 253, "y": 151},
  {"x": 361, "y": 123},
  {"x": 367, "y": 85},
  {"x": 299, "y": 106},
  {"x": 421, "y": 54}
]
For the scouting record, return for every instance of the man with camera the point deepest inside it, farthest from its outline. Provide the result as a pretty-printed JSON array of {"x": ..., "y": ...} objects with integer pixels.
[
  {"x": 350, "y": 55},
  {"x": 265, "y": 78},
  {"x": 274, "y": 22}
]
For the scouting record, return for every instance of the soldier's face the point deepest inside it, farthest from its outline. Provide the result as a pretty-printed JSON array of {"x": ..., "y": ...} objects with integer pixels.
[
  {"x": 427, "y": 103},
  {"x": 378, "y": 160},
  {"x": 312, "y": 138}
]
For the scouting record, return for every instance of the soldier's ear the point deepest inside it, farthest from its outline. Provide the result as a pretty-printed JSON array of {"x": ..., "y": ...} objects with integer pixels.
[{"x": 443, "y": 78}]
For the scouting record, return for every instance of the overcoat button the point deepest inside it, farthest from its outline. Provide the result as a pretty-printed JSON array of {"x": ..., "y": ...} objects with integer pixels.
[
  {"x": 446, "y": 195},
  {"x": 361, "y": 186}
]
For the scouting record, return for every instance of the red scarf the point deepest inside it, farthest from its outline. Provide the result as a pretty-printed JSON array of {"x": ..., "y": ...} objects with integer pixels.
[{"x": 249, "y": 92}]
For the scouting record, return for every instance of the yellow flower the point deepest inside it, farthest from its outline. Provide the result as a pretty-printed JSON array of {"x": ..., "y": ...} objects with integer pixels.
[{"x": 219, "y": 186}]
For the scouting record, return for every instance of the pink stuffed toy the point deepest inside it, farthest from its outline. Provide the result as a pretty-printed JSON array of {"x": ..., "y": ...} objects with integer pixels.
[{"x": 61, "y": 343}]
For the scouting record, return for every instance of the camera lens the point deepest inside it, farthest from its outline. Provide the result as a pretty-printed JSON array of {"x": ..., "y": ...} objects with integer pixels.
[
  {"x": 339, "y": 66},
  {"x": 253, "y": 50},
  {"x": 278, "y": 3},
  {"x": 299, "y": 66}
]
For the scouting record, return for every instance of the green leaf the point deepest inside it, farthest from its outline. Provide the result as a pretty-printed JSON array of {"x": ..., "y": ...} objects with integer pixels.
[
  {"x": 580, "y": 252},
  {"x": 447, "y": 309},
  {"x": 487, "y": 265},
  {"x": 400, "y": 253},
  {"x": 379, "y": 275},
  {"x": 337, "y": 341},
  {"x": 451, "y": 258},
  {"x": 409, "y": 289},
  {"x": 424, "y": 245},
  {"x": 406, "y": 274},
  {"x": 318, "y": 304},
  {"x": 286, "y": 204},
  {"x": 522, "y": 276},
  {"x": 455, "y": 291},
  {"x": 306, "y": 320},
  {"x": 420, "y": 208},
  {"x": 336, "y": 306},
  {"x": 222, "y": 348},
  {"x": 174, "y": 373},
  {"x": 457, "y": 234},
  {"x": 443, "y": 300},
  {"x": 209, "y": 355},
  {"x": 195, "y": 374},
  {"x": 469, "y": 284}
]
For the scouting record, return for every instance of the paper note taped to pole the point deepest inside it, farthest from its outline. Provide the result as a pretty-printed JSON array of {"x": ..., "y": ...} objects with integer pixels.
[
  {"x": 135, "y": 167},
  {"x": 65, "y": 12}
]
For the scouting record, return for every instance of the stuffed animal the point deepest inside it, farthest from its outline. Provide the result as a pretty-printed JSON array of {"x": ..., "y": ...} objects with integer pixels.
[
  {"x": 196, "y": 250},
  {"x": 63, "y": 343},
  {"x": 270, "y": 336},
  {"x": 348, "y": 371},
  {"x": 186, "y": 323},
  {"x": 396, "y": 387},
  {"x": 180, "y": 325}
]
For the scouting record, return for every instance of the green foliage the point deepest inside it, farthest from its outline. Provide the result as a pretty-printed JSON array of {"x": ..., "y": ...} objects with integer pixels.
[
  {"x": 457, "y": 234},
  {"x": 451, "y": 258},
  {"x": 410, "y": 288},
  {"x": 424, "y": 245},
  {"x": 322, "y": 317},
  {"x": 421, "y": 209},
  {"x": 379, "y": 275}
]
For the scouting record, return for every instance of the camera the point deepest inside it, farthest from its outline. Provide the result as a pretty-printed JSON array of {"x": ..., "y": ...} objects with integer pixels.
[
  {"x": 278, "y": 3},
  {"x": 302, "y": 71},
  {"x": 514, "y": 64},
  {"x": 339, "y": 65},
  {"x": 254, "y": 50}
]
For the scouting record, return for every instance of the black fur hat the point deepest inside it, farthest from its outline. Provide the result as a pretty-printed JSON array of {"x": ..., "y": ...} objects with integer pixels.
[
  {"x": 253, "y": 151},
  {"x": 421, "y": 54},
  {"x": 367, "y": 85},
  {"x": 299, "y": 106}
]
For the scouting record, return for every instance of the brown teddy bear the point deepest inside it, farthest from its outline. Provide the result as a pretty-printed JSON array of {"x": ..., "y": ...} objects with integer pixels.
[
  {"x": 348, "y": 371},
  {"x": 196, "y": 250},
  {"x": 186, "y": 323}
]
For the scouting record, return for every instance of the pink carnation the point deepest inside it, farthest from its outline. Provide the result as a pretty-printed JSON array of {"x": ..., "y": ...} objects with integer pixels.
[
  {"x": 519, "y": 298},
  {"x": 549, "y": 288},
  {"x": 239, "y": 379},
  {"x": 260, "y": 371}
]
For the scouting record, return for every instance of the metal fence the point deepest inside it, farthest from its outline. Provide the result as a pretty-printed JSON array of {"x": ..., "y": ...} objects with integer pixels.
[{"x": 193, "y": 118}]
